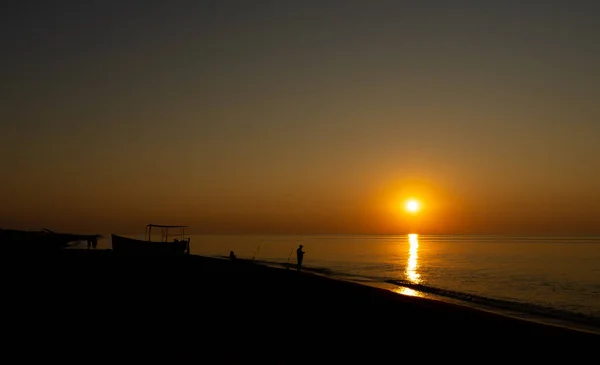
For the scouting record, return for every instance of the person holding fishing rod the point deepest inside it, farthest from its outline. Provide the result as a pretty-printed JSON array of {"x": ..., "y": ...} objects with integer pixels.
[{"x": 299, "y": 257}]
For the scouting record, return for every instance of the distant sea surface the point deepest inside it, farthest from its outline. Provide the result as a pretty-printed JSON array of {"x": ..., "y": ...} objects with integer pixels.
[{"x": 549, "y": 279}]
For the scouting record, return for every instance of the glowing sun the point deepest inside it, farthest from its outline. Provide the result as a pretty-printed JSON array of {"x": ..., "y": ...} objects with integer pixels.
[{"x": 412, "y": 206}]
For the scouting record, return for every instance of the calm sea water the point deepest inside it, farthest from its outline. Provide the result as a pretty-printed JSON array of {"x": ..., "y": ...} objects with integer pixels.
[{"x": 553, "y": 279}]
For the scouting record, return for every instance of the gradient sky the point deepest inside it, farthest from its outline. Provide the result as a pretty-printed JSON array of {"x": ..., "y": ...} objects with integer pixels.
[{"x": 301, "y": 116}]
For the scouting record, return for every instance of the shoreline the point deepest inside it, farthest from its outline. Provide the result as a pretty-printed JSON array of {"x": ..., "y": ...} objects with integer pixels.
[
  {"x": 199, "y": 308},
  {"x": 549, "y": 321},
  {"x": 511, "y": 313}
]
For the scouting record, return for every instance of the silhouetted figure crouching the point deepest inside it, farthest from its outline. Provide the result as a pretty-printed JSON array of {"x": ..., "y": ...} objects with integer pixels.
[
  {"x": 231, "y": 255},
  {"x": 300, "y": 257}
]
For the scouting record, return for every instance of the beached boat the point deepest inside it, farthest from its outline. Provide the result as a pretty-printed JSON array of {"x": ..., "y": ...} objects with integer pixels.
[{"x": 180, "y": 244}]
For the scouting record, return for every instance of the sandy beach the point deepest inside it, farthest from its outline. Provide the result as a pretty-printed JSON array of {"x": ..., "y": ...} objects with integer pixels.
[{"x": 92, "y": 305}]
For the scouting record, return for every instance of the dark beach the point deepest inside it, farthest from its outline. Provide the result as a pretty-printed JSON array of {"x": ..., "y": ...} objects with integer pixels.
[{"x": 79, "y": 305}]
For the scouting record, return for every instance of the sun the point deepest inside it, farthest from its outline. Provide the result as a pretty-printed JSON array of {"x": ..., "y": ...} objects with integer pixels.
[{"x": 412, "y": 206}]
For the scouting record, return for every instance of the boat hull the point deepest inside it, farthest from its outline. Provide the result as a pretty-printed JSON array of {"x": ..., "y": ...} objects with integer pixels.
[{"x": 131, "y": 246}]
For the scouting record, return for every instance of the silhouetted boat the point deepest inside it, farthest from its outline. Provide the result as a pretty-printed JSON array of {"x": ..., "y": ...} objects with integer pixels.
[{"x": 132, "y": 246}]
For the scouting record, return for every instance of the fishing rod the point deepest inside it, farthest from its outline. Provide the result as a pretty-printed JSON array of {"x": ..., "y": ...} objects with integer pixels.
[
  {"x": 289, "y": 257},
  {"x": 258, "y": 248}
]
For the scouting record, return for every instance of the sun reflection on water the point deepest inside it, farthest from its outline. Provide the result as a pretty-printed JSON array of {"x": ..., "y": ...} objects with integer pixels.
[
  {"x": 411, "y": 267},
  {"x": 413, "y": 256},
  {"x": 408, "y": 291}
]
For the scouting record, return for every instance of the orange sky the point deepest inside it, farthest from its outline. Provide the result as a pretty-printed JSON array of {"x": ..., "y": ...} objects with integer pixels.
[{"x": 300, "y": 117}]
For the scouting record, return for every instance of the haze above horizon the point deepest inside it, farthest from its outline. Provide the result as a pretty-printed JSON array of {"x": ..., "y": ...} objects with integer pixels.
[{"x": 301, "y": 116}]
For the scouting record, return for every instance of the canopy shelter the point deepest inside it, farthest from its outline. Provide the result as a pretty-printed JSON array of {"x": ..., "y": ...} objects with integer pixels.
[
  {"x": 164, "y": 232},
  {"x": 42, "y": 240}
]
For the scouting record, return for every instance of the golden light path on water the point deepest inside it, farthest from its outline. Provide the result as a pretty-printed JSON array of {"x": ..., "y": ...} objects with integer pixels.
[{"x": 411, "y": 266}]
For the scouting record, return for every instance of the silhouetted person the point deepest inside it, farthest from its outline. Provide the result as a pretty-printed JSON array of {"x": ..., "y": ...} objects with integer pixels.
[
  {"x": 92, "y": 243},
  {"x": 231, "y": 255},
  {"x": 299, "y": 257}
]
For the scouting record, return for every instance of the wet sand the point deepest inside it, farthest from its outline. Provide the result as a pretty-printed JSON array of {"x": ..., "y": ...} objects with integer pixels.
[{"x": 84, "y": 306}]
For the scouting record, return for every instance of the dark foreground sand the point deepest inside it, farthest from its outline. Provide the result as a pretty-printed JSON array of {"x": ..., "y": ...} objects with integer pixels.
[{"x": 90, "y": 306}]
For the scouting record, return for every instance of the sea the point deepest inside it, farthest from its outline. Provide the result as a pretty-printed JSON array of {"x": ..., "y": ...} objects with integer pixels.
[{"x": 553, "y": 280}]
